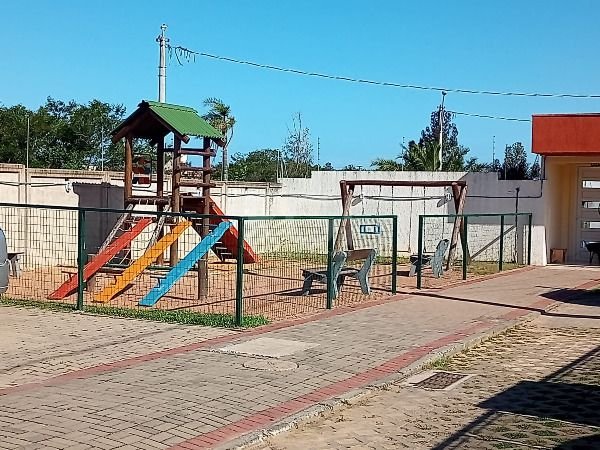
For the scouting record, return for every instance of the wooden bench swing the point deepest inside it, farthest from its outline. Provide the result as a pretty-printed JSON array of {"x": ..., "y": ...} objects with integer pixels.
[{"x": 341, "y": 257}]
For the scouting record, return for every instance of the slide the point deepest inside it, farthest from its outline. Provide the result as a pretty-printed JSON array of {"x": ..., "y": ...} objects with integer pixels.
[
  {"x": 102, "y": 258},
  {"x": 230, "y": 239},
  {"x": 142, "y": 263},
  {"x": 186, "y": 263}
]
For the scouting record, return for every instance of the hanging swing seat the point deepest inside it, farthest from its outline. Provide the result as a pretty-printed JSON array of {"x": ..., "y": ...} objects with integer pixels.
[
  {"x": 340, "y": 271},
  {"x": 434, "y": 260}
]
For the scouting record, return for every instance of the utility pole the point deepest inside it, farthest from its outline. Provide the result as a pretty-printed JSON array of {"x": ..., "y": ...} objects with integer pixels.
[
  {"x": 441, "y": 121},
  {"x": 493, "y": 151},
  {"x": 318, "y": 153},
  {"x": 27, "y": 145},
  {"x": 162, "y": 67}
]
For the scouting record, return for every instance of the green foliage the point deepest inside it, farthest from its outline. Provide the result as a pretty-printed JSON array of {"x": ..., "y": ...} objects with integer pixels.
[
  {"x": 259, "y": 165},
  {"x": 219, "y": 116},
  {"x": 62, "y": 135},
  {"x": 424, "y": 154},
  {"x": 515, "y": 165}
]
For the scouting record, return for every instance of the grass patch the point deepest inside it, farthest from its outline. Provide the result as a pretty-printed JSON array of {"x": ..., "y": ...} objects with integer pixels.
[
  {"x": 158, "y": 315},
  {"x": 441, "y": 363}
]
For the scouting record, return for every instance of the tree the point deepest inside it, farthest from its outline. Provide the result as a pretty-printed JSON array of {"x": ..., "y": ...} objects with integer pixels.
[
  {"x": 258, "y": 165},
  {"x": 515, "y": 163},
  {"x": 424, "y": 154},
  {"x": 387, "y": 165},
  {"x": 297, "y": 150},
  {"x": 62, "y": 135},
  {"x": 219, "y": 116}
]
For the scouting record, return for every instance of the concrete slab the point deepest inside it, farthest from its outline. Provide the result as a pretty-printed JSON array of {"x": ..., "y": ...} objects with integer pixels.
[{"x": 268, "y": 347}]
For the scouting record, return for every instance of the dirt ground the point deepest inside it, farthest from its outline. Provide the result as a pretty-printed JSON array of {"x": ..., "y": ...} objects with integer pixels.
[{"x": 272, "y": 288}]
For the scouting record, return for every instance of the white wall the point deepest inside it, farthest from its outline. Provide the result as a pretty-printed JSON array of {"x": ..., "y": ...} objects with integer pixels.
[{"x": 318, "y": 195}]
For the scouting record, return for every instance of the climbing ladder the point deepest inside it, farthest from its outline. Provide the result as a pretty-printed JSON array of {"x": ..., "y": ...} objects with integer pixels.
[
  {"x": 138, "y": 266},
  {"x": 103, "y": 257}
]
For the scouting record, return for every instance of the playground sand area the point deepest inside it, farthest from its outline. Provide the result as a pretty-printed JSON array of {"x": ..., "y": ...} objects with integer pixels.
[{"x": 271, "y": 288}]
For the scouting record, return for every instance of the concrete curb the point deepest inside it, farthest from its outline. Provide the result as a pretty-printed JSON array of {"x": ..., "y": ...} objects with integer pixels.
[{"x": 357, "y": 395}]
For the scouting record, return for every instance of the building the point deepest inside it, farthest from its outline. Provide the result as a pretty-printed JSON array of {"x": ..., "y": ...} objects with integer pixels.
[{"x": 569, "y": 145}]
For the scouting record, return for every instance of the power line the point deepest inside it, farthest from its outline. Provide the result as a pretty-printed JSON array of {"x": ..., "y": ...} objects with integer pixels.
[
  {"x": 485, "y": 116},
  {"x": 190, "y": 55}
]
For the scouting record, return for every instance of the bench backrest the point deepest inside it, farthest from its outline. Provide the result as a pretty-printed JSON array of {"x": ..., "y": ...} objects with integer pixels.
[{"x": 357, "y": 255}]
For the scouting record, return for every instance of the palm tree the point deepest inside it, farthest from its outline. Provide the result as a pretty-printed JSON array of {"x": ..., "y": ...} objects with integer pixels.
[
  {"x": 421, "y": 156},
  {"x": 387, "y": 164},
  {"x": 219, "y": 116}
]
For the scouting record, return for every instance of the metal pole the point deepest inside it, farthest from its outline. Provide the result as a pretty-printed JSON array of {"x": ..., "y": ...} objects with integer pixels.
[
  {"x": 330, "y": 287},
  {"x": 162, "y": 68},
  {"x": 501, "y": 243},
  {"x": 239, "y": 282},
  {"x": 529, "y": 240},
  {"x": 420, "y": 252},
  {"x": 464, "y": 246},
  {"x": 395, "y": 255},
  {"x": 81, "y": 257},
  {"x": 27, "y": 145},
  {"x": 441, "y": 120}
]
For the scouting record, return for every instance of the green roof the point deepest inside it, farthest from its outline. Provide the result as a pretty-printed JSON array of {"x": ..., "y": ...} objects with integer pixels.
[{"x": 184, "y": 120}]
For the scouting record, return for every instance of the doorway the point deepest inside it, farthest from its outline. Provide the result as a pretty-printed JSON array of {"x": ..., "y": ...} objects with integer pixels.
[{"x": 587, "y": 223}]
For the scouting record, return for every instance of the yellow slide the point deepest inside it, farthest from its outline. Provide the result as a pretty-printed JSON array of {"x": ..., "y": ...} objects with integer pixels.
[{"x": 140, "y": 264}]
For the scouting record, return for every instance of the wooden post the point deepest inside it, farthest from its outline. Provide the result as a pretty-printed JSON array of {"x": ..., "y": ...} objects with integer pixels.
[
  {"x": 127, "y": 182},
  {"x": 160, "y": 185},
  {"x": 175, "y": 195},
  {"x": 347, "y": 193},
  {"x": 205, "y": 230},
  {"x": 459, "y": 193}
]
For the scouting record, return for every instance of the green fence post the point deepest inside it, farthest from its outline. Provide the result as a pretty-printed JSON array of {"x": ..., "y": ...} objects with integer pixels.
[
  {"x": 501, "y": 243},
  {"x": 394, "y": 254},
  {"x": 239, "y": 279},
  {"x": 420, "y": 251},
  {"x": 529, "y": 226},
  {"x": 81, "y": 256},
  {"x": 330, "y": 282},
  {"x": 464, "y": 246}
]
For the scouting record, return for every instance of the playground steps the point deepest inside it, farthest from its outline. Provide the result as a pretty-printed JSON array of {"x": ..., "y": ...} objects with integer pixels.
[
  {"x": 102, "y": 258},
  {"x": 142, "y": 263},
  {"x": 184, "y": 265},
  {"x": 227, "y": 247}
]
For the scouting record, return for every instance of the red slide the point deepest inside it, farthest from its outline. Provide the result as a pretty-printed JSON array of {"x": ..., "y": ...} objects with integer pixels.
[
  {"x": 70, "y": 286},
  {"x": 230, "y": 238}
]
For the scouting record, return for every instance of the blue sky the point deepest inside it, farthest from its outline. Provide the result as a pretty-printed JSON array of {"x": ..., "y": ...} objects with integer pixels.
[{"x": 107, "y": 50}]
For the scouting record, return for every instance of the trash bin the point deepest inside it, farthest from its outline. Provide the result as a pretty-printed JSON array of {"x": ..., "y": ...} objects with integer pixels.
[
  {"x": 558, "y": 255},
  {"x": 4, "y": 266}
]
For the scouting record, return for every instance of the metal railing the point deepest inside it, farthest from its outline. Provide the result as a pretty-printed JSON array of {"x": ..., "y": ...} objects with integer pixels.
[
  {"x": 489, "y": 242},
  {"x": 56, "y": 243}
]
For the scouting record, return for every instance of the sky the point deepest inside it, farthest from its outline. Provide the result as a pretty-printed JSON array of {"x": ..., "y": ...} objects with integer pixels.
[{"x": 106, "y": 50}]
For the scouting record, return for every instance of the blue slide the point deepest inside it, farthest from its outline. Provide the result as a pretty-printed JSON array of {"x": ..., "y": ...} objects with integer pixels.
[{"x": 166, "y": 283}]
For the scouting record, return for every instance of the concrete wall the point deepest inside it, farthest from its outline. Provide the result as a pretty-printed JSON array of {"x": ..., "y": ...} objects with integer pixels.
[{"x": 318, "y": 195}]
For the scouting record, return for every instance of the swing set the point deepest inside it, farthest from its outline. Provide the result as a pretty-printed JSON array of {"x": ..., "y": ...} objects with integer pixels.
[{"x": 347, "y": 188}]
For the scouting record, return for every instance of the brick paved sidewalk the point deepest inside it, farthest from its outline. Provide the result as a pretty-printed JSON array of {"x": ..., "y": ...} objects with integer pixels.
[
  {"x": 535, "y": 386},
  {"x": 184, "y": 392}
]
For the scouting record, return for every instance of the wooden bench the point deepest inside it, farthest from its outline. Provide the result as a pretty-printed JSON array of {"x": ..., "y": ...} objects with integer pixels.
[
  {"x": 340, "y": 271},
  {"x": 14, "y": 258},
  {"x": 435, "y": 260}
]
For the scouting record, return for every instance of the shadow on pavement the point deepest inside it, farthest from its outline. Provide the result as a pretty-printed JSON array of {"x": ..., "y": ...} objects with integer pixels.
[{"x": 559, "y": 412}]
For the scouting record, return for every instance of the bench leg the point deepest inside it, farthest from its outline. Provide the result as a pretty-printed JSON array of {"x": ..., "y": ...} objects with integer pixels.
[
  {"x": 413, "y": 270},
  {"x": 15, "y": 265},
  {"x": 308, "y": 281},
  {"x": 363, "y": 279}
]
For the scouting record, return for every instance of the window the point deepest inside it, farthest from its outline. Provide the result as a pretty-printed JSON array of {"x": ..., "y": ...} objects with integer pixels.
[
  {"x": 590, "y": 225},
  {"x": 591, "y": 184},
  {"x": 590, "y": 205}
]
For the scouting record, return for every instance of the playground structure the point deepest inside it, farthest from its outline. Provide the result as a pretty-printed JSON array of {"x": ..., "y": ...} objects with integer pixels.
[
  {"x": 459, "y": 195},
  {"x": 153, "y": 122}
]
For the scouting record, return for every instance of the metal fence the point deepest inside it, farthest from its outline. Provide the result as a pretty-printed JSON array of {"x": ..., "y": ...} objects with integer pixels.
[
  {"x": 483, "y": 244},
  {"x": 92, "y": 258}
]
